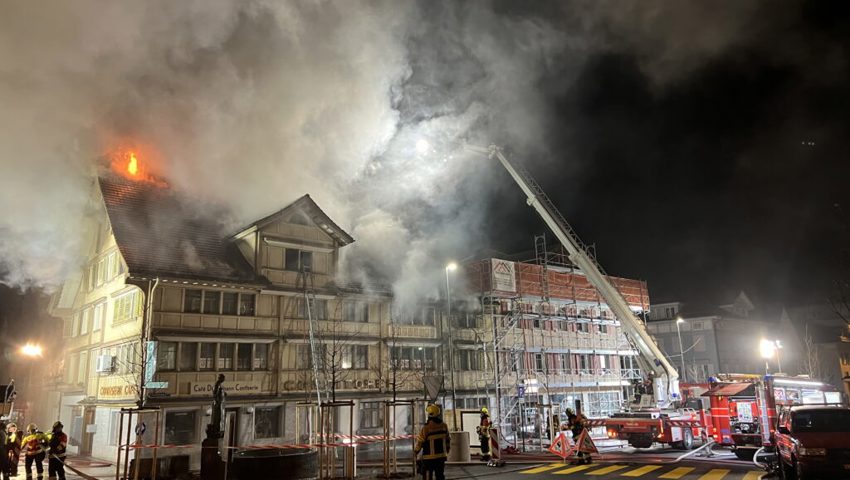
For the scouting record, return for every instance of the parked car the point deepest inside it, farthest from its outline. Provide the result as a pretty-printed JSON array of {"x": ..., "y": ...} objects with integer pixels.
[{"x": 813, "y": 441}]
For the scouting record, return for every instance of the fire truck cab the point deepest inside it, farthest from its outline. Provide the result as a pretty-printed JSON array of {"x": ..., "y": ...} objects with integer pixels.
[{"x": 744, "y": 407}]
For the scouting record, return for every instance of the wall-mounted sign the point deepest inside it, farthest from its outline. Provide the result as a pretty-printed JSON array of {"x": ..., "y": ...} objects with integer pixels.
[
  {"x": 113, "y": 392},
  {"x": 503, "y": 275},
  {"x": 248, "y": 387}
]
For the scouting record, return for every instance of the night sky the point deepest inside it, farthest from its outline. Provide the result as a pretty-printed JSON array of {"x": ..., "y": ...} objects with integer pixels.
[{"x": 732, "y": 177}]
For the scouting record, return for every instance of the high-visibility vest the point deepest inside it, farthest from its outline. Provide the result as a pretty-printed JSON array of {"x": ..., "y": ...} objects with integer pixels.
[
  {"x": 433, "y": 440},
  {"x": 34, "y": 443}
]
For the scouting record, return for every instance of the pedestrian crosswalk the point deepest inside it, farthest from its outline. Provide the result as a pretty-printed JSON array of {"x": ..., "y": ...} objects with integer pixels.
[{"x": 666, "y": 472}]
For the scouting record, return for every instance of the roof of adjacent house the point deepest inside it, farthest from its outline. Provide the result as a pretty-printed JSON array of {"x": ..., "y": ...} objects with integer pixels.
[{"x": 160, "y": 233}]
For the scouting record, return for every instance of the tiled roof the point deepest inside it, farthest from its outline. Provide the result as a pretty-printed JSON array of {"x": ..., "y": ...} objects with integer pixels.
[{"x": 161, "y": 234}]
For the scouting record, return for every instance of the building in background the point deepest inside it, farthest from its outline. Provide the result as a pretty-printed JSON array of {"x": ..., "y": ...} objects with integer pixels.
[
  {"x": 723, "y": 339},
  {"x": 822, "y": 332}
]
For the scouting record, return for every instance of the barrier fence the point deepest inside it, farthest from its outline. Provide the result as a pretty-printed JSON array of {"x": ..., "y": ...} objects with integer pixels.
[{"x": 352, "y": 440}]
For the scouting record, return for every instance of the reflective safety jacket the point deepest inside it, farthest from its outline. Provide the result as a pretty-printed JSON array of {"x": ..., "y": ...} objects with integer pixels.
[
  {"x": 433, "y": 440},
  {"x": 483, "y": 428},
  {"x": 34, "y": 443},
  {"x": 58, "y": 444}
]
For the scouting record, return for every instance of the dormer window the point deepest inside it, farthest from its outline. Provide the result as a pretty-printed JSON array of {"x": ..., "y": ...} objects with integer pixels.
[{"x": 298, "y": 260}]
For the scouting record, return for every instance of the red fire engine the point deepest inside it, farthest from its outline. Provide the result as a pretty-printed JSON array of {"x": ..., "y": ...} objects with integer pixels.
[{"x": 744, "y": 407}]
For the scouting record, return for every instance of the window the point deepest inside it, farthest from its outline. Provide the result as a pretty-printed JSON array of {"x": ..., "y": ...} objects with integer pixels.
[
  {"x": 112, "y": 439},
  {"x": 416, "y": 358},
  {"x": 68, "y": 326},
  {"x": 603, "y": 329},
  {"x": 246, "y": 304},
  {"x": 303, "y": 356},
  {"x": 192, "y": 301},
  {"x": 82, "y": 367},
  {"x": 261, "y": 356},
  {"x": 166, "y": 356},
  {"x": 244, "y": 355},
  {"x": 583, "y": 327},
  {"x": 419, "y": 316},
  {"x": 539, "y": 364},
  {"x": 180, "y": 427},
  {"x": 267, "y": 422},
  {"x": 230, "y": 303},
  {"x": 584, "y": 363},
  {"x": 298, "y": 260},
  {"x": 355, "y": 357},
  {"x": 99, "y": 312},
  {"x": 563, "y": 362},
  {"x": 320, "y": 309},
  {"x": 127, "y": 308},
  {"x": 371, "y": 415},
  {"x": 469, "y": 360},
  {"x": 188, "y": 356},
  {"x": 355, "y": 311},
  {"x": 85, "y": 321},
  {"x": 225, "y": 356},
  {"x": 207, "y": 357},
  {"x": 211, "y": 302}
]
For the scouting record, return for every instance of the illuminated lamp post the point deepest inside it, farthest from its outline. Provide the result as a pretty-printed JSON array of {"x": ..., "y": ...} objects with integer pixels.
[
  {"x": 450, "y": 268},
  {"x": 767, "y": 349},
  {"x": 679, "y": 321}
]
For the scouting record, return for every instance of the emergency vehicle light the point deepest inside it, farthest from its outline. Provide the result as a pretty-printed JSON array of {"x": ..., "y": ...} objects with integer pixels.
[{"x": 799, "y": 383}]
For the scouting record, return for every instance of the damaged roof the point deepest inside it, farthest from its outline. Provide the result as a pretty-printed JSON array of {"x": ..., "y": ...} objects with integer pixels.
[{"x": 162, "y": 234}]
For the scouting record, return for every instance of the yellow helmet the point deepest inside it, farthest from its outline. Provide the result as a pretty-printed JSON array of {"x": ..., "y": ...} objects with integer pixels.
[
  {"x": 432, "y": 410},
  {"x": 485, "y": 411}
]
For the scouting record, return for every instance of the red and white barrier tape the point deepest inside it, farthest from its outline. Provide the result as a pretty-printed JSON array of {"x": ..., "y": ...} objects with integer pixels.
[{"x": 361, "y": 440}]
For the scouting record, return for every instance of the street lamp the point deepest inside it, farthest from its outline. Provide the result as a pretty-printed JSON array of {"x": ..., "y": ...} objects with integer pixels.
[
  {"x": 767, "y": 348},
  {"x": 452, "y": 266},
  {"x": 679, "y": 321}
]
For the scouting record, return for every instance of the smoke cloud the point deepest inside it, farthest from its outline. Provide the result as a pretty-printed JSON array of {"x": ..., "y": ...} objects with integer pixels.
[{"x": 251, "y": 104}]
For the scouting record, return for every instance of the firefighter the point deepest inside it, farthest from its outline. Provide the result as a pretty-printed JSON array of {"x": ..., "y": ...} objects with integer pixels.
[
  {"x": 13, "y": 444},
  {"x": 483, "y": 431},
  {"x": 33, "y": 446},
  {"x": 576, "y": 424},
  {"x": 434, "y": 443},
  {"x": 4, "y": 451},
  {"x": 58, "y": 443}
]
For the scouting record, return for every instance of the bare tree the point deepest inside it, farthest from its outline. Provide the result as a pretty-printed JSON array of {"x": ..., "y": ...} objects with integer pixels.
[{"x": 812, "y": 355}]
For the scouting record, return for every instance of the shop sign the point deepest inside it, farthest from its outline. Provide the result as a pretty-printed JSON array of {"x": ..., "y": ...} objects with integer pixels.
[
  {"x": 112, "y": 392},
  {"x": 302, "y": 385},
  {"x": 248, "y": 387},
  {"x": 503, "y": 275}
]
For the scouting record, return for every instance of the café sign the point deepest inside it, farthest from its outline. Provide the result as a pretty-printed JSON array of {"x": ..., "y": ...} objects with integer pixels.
[{"x": 248, "y": 387}]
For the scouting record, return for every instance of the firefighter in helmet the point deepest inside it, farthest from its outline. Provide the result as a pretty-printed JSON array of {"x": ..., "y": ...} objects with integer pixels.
[
  {"x": 58, "y": 443},
  {"x": 576, "y": 424},
  {"x": 13, "y": 444},
  {"x": 434, "y": 443},
  {"x": 34, "y": 448},
  {"x": 4, "y": 451},
  {"x": 483, "y": 431}
]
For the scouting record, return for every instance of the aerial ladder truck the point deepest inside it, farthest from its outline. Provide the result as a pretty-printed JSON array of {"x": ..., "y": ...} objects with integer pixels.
[{"x": 655, "y": 416}]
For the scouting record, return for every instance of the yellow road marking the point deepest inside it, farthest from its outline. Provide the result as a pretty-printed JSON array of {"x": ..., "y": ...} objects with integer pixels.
[
  {"x": 607, "y": 470},
  {"x": 572, "y": 470},
  {"x": 753, "y": 475},
  {"x": 544, "y": 468},
  {"x": 641, "y": 471},
  {"x": 716, "y": 474},
  {"x": 677, "y": 473}
]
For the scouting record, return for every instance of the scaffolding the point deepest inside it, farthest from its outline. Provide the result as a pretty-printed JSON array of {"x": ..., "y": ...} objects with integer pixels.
[{"x": 552, "y": 342}]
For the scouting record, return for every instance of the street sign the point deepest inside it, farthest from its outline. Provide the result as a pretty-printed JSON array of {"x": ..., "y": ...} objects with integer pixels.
[
  {"x": 520, "y": 391},
  {"x": 150, "y": 360},
  {"x": 155, "y": 385}
]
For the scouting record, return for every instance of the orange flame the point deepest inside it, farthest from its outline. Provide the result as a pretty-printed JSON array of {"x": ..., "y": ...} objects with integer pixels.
[{"x": 133, "y": 165}]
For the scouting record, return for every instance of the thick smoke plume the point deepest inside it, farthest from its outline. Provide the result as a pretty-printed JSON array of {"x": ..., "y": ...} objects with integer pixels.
[{"x": 251, "y": 104}]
